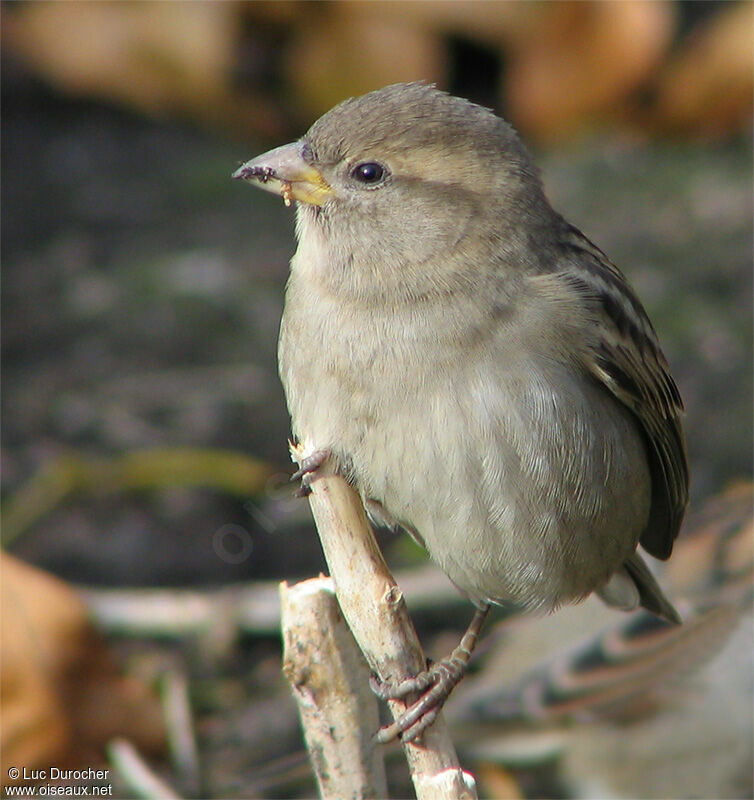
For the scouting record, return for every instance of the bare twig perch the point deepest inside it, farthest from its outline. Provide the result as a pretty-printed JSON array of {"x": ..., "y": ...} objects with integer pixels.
[
  {"x": 374, "y": 608},
  {"x": 330, "y": 683}
]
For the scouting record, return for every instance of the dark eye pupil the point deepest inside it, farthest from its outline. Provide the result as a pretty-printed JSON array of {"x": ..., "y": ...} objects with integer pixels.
[{"x": 369, "y": 172}]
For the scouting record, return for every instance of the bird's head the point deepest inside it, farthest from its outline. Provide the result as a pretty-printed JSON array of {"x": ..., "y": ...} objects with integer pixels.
[{"x": 403, "y": 174}]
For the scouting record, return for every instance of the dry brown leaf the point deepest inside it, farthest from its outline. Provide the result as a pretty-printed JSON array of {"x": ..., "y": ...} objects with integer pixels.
[
  {"x": 62, "y": 697},
  {"x": 707, "y": 88},
  {"x": 161, "y": 58},
  {"x": 582, "y": 59},
  {"x": 346, "y": 49}
]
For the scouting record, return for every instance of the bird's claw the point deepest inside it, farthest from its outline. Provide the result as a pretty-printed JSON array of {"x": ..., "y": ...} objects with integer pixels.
[
  {"x": 435, "y": 685},
  {"x": 305, "y": 473}
]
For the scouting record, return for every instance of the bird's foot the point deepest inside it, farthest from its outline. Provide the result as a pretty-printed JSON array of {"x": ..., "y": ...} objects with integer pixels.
[
  {"x": 305, "y": 472},
  {"x": 435, "y": 685}
]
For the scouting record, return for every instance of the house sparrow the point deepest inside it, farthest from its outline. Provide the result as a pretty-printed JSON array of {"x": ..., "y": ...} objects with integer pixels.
[{"x": 472, "y": 364}]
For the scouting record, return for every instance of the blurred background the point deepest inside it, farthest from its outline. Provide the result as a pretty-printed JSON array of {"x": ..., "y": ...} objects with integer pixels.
[{"x": 144, "y": 430}]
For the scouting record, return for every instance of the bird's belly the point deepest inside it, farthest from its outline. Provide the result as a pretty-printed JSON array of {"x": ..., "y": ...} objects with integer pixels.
[
  {"x": 535, "y": 525},
  {"x": 532, "y": 494}
]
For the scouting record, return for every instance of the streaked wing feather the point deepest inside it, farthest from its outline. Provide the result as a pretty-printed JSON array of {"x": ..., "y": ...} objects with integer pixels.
[{"x": 629, "y": 362}]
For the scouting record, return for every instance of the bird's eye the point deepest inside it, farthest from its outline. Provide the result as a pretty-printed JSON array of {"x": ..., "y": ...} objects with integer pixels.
[{"x": 368, "y": 173}]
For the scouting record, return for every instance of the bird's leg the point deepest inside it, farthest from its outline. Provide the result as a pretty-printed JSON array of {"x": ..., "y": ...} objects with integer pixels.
[
  {"x": 435, "y": 684},
  {"x": 307, "y": 467}
]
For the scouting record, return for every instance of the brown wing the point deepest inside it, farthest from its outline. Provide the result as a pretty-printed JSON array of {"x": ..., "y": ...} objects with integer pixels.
[{"x": 629, "y": 362}]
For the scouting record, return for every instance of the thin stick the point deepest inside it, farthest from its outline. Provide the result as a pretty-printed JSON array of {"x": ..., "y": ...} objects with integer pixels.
[
  {"x": 180, "y": 727},
  {"x": 137, "y": 774},
  {"x": 251, "y": 608},
  {"x": 330, "y": 683},
  {"x": 374, "y": 608}
]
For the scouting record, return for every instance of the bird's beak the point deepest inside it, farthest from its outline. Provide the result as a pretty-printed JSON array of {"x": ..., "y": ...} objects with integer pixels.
[{"x": 284, "y": 172}]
